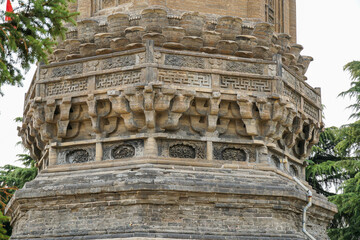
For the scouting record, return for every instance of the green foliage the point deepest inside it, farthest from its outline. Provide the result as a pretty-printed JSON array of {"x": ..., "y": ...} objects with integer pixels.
[
  {"x": 3, "y": 221},
  {"x": 335, "y": 161},
  {"x": 346, "y": 225},
  {"x": 11, "y": 179},
  {"x": 354, "y": 91},
  {"x": 322, "y": 172},
  {"x": 12, "y": 176},
  {"x": 30, "y": 36}
]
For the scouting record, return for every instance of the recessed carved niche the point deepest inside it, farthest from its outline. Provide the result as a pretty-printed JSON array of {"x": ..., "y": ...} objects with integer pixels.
[
  {"x": 182, "y": 149},
  {"x": 234, "y": 152},
  {"x": 79, "y": 154},
  {"x": 124, "y": 149},
  {"x": 275, "y": 161},
  {"x": 294, "y": 171}
]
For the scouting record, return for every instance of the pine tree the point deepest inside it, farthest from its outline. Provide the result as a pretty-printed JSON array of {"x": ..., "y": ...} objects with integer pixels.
[
  {"x": 30, "y": 35},
  {"x": 335, "y": 161}
]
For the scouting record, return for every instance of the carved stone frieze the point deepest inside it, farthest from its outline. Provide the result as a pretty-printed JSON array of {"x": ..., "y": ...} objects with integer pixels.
[
  {"x": 245, "y": 67},
  {"x": 184, "y": 61},
  {"x": 118, "y": 62},
  {"x": 67, "y": 70}
]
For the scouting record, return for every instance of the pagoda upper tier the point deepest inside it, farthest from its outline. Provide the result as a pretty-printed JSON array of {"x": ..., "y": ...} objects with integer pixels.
[{"x": 281, "y": 13}]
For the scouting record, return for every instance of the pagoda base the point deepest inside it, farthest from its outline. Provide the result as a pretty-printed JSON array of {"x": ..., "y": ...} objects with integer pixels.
[{"x": 153, "y": 199}]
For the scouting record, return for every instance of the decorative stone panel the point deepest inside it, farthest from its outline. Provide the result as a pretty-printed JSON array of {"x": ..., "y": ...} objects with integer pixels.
[
  {"x": 78, "y": 154},
  {"x": 67, "y": 70},
  {"x": 124, "y": 149},
  {"x": 118, "y": 62},
  {"x": 184, "y": 61},
  {"x": 182, "y": 149},
  {"x": 234, "y": 152},
  {"x": 245, "y": 67}
]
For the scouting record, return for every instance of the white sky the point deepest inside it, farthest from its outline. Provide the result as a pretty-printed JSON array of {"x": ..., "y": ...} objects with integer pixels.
[{"x": 328, "y": 29}]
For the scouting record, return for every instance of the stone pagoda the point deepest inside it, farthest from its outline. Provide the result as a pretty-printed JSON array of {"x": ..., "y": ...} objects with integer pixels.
[{"x": 172, "y": 119}]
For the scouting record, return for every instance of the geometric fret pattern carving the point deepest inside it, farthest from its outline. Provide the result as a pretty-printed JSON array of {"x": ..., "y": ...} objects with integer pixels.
[
  {"x": 64, "y": 87},
  {"x": 117, "y": 79},
  {"x": 311, "y": 110},
  {"x": 185, "y": 78},
  {"x": 239, "y": 83}
]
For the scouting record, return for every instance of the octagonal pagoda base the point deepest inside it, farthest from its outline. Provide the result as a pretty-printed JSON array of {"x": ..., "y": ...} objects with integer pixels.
[{"x": 157, "y": 199}]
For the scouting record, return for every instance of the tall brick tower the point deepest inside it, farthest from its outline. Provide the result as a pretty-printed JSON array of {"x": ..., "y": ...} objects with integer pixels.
[{"x": 172, "y": 119}]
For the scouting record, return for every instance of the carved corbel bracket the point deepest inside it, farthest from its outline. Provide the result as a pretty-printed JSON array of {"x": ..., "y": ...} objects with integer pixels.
[
  {"x": 149, "y": 111},
  {"x": 46, "y": 132},
  {"x": 181, "y": 104},
  {"x": 265, "y": 108},
  {"x": 136, "y": 99},
  {"x": 246, "y": 106},
  {"x": 121, "y": 106},
  {"x": 198, "y": 124},
  {"x": 163, "y": 99},
  {"x": 62, "y": 128},
  {"x": 278, "y": 109},
  {"x": 92, "y": 110},
  {"x": 65, "y": 107},
  {"x": 213, "y": 115},
  {"x": 39, "y": 115},
  {"x": 50, "y": 108},
  {"x": 223, "y": 126}
]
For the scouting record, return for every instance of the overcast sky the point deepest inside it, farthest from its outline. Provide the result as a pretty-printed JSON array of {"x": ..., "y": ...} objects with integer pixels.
[{"x": 328, "y": 30}]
